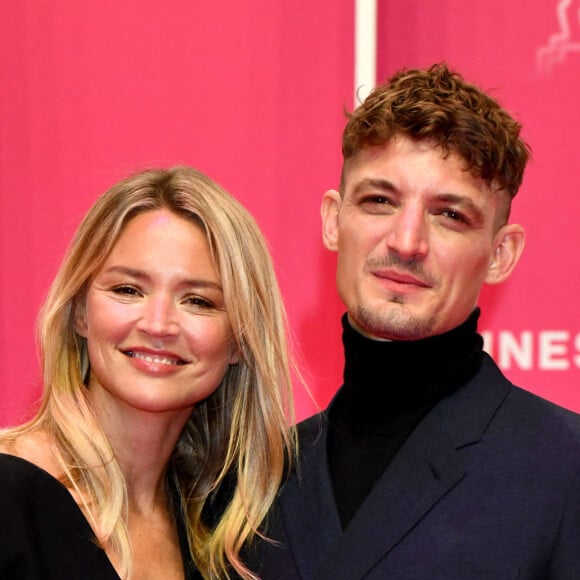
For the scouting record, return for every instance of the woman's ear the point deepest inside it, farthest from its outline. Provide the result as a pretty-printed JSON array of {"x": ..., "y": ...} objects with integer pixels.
[
  {"x": 79, "y": 317},
  {"x": 329, "y": 211},
  {"x": 234, "y": 357},
  {"x": 508, "y": 247}
]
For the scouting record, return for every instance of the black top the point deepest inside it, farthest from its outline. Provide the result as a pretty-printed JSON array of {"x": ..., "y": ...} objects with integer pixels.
[
  {"x": 45, "y": 535},
  {"x": 389, "y": 386}
]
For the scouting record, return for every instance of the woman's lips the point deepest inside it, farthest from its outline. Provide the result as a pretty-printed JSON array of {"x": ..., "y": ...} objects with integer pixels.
[{"x": 155, "y": 357}]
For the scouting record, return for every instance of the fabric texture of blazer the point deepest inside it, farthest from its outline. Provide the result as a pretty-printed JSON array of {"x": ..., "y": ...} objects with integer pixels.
[{"x": 487, "y": 486}]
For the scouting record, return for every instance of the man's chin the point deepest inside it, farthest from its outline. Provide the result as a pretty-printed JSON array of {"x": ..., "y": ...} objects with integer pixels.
[{"x": 392, "y": 323}]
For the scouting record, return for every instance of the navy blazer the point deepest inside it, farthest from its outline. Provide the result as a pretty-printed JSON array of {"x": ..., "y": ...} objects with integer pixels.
[{"x": 487, "y": 486}]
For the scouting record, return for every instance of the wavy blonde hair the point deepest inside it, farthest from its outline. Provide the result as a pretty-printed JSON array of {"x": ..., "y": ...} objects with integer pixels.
[{"x": 239, "y": 434}]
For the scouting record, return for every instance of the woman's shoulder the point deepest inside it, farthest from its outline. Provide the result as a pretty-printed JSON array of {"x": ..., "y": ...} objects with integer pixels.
[
  {"x": 27, "y": 464},
  {"x": 45, "y": 533},
  {"x": 34, "y": 447},
  {"x": 22, "y": 481}
]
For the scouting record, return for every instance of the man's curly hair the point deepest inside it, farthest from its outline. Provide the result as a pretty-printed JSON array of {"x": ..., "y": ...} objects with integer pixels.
[{"x": 439, "y": 105}]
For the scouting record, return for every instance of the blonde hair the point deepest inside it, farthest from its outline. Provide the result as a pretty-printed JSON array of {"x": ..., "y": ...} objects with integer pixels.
[{"x": 239, "y": 434}]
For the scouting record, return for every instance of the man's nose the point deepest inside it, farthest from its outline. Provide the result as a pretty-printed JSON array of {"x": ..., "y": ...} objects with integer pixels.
[{"x": 409, "y": 234}]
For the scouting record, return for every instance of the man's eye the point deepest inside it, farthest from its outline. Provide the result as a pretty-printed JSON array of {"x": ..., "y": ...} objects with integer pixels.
[
  {"x": 377, "y": 202},
  {"x": 380, "y": 199},
  {"x": 454, "y": 215}
]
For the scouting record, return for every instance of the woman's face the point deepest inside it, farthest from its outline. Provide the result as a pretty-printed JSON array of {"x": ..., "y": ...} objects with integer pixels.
[{"x": 158, "y": 334}]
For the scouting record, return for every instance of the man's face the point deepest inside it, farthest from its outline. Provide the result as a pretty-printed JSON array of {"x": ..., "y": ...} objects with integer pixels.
[{"x": 416, "y": 240}]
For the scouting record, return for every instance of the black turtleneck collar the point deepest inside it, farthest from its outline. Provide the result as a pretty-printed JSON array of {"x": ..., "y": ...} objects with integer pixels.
[
  {"x": 383, "y": 379},
  {"x": 388, "y": 388}
]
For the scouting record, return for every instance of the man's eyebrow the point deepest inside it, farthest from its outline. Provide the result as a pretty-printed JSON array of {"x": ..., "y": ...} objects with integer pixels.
[
  {"x": 465, "y": 204},
  {"x": 381, "y": 184},
  {"x": 373, "y": 183},
  {"x": 459, "y": 200}
]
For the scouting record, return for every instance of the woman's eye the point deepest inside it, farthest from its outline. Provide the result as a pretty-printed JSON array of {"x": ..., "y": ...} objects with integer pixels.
[
  {"x": 199, "y": 302},
  {"x": 126, "y": 291}
]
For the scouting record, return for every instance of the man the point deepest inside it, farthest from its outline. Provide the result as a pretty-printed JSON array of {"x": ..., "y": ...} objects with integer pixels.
[{"x": 428, "y": 463}]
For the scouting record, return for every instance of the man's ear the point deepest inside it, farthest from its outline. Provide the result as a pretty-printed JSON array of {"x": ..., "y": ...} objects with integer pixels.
[
  {"x": 329, "y": 211},
  {"x": 508, "y": 247}
]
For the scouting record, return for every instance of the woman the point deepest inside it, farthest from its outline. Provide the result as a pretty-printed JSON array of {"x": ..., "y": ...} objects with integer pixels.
[{"x": 161, "y": 437}]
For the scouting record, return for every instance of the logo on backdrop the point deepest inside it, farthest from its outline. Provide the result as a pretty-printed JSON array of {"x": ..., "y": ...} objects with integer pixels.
[
  {"x": 565, "y": 41},
  {"x": 544, "y": 350}
]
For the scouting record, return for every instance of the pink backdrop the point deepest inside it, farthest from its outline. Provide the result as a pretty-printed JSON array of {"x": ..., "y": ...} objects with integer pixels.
[
  {"x": 528, "y": 55},
  {"x": 253, "y": 94}
]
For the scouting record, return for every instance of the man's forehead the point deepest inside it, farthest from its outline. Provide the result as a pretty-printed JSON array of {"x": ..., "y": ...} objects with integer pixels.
[{"x": 372, "y": 161}]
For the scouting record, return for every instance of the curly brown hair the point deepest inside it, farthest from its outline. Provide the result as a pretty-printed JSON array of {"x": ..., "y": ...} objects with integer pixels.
[{"x": 440, "y": 105}]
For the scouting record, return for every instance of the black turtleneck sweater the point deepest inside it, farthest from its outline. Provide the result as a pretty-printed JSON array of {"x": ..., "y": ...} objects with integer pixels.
[{"x": 388, "y": 388}]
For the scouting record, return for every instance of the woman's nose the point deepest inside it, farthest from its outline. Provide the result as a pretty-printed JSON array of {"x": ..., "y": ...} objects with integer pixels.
[{"x": 159, "y": 316}]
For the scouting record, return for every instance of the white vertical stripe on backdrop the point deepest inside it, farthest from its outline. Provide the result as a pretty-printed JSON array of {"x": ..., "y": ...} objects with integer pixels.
[{"x": 365, "y": 49}]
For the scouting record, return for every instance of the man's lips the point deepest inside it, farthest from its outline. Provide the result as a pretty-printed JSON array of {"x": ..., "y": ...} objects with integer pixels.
[
  {"x": 154, "y": 356},
  {"x": 400, "y": 278}
]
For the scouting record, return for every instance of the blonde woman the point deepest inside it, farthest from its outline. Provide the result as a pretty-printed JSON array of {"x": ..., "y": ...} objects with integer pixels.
[{"x": 162, "y": 437}]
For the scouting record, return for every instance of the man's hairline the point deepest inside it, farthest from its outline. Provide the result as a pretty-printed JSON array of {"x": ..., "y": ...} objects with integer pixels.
[{"x": 494, "y": 190}]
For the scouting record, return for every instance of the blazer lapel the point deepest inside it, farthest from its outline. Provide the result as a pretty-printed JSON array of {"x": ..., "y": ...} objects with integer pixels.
[
  {"x": 423, "y": 471},
  {"x": 426, "y": 468},
  {"x": 307, "y": 502}
]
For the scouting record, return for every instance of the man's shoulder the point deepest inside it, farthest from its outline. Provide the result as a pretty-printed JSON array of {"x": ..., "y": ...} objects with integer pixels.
[
  {"x": 523, "y": 400},
  {"x": 542, "y": 413},
  {"x": 516, "y": 403},
  {"x": 513, "y": 421}
]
